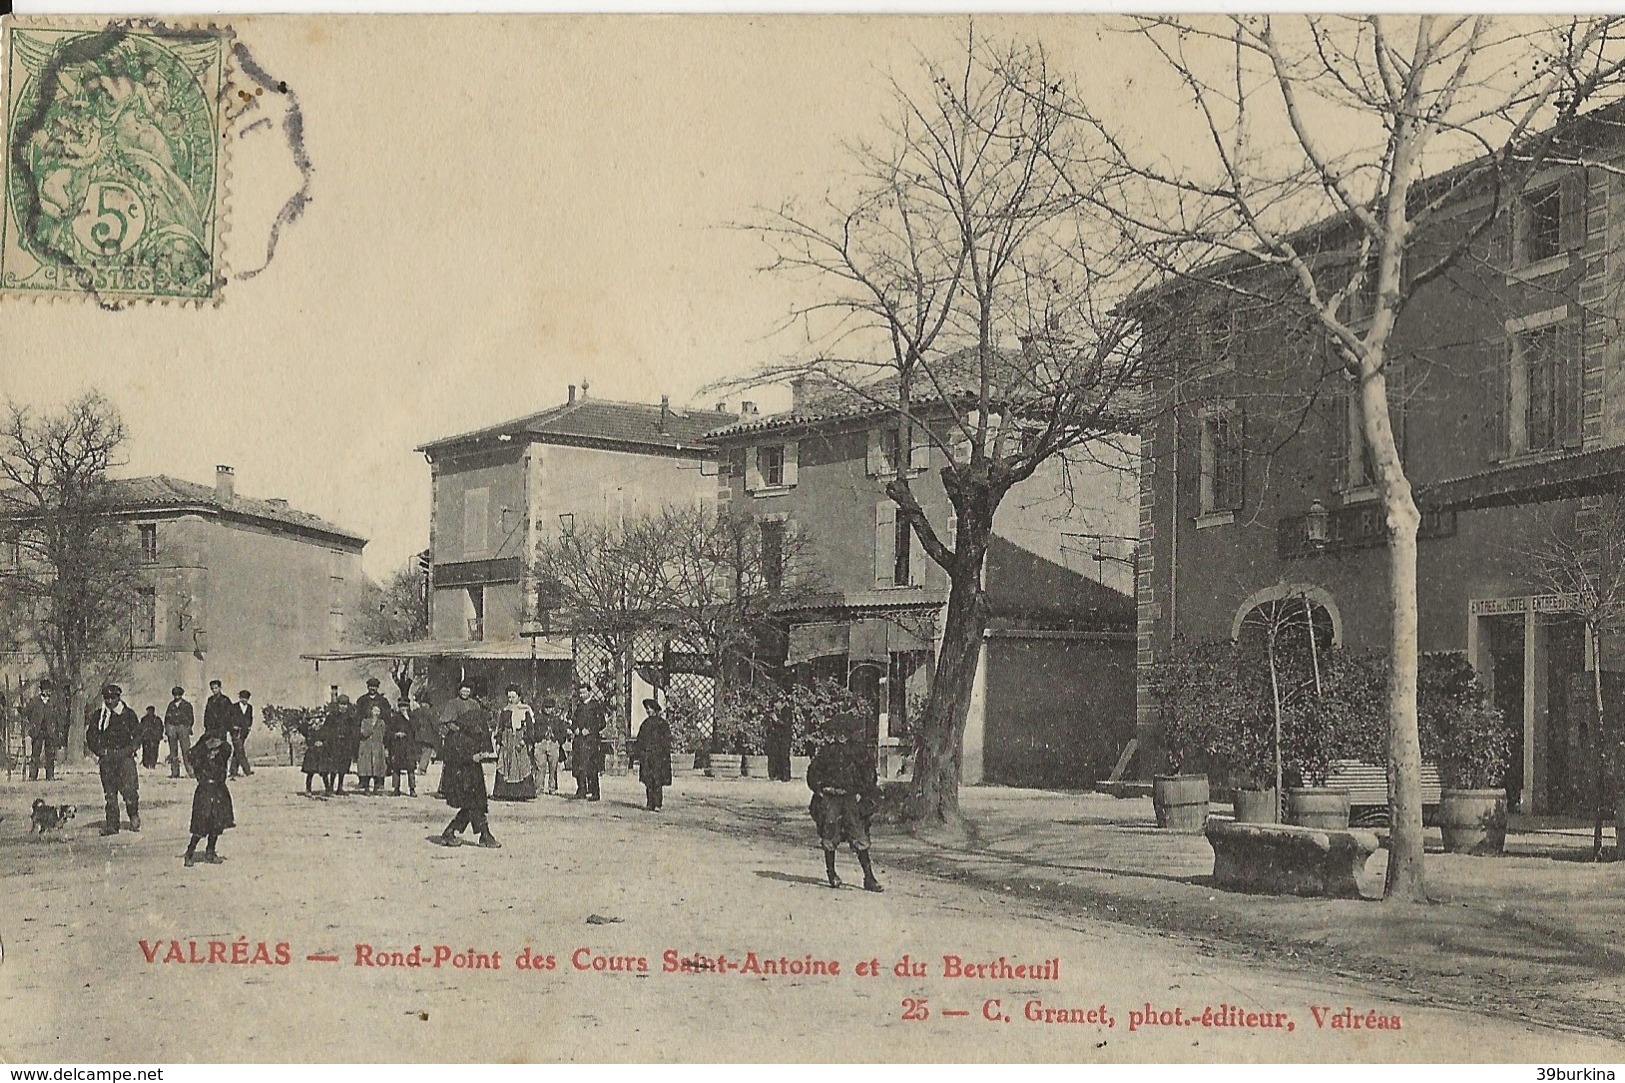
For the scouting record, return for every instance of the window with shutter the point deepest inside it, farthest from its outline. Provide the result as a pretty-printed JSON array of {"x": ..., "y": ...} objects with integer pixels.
[
  {"x": 476, "y": 521},
  {"x": 919, "y": 452},
  {"x": 770, "y": 466},
  {"x": 1545, "y": 380},
  {"x": 1221, "y": 479},
  {"x": 773, "y": 532},
  {"x": 1540, "y": 230},
  {"x": 885, "y": 543},
  {"x": 903, "y": 566},
  {"x": 790, "y": 458}
]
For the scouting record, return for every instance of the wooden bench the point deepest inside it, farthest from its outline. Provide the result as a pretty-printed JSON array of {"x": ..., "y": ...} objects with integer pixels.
[
  {"x": 1367, "y": 784},
  {"x": 1277, "y": 859}
]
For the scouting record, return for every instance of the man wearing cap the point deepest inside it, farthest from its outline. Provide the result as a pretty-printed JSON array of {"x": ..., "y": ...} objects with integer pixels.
[
  {"x": 43, "y": 726},
  {"x": 373, "y": 698},
  {"x": 586, "y": 744},
  {"x": 654, "y": 755},
  {"x": 842, "y": 779},
  {"x": 112, "y": 735},
  {"x": 178, "y": 720},
  {"x": 242, "y": 723}
]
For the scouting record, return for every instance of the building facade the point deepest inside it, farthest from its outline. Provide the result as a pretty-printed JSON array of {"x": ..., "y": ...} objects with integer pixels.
[
  {"x": 232, "y": 588},
  {"x": 1505, "y": 379},
  {"x": 1054, "y": 693},
  {"x": 500, "y": 492}
]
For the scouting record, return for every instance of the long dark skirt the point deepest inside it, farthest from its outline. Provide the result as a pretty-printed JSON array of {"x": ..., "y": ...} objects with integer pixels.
[
  {"x": 462, "y": 784},
  {"x": 211, "y": 809}
]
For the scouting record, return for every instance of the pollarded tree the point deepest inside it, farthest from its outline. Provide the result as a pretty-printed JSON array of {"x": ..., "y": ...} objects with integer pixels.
[
  {"x": 1310, "y": 118},
  {"x": 963, "y": 285}
]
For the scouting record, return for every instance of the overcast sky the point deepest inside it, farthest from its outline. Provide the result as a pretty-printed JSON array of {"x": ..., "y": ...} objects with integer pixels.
[{"x": 501, "y": 206}]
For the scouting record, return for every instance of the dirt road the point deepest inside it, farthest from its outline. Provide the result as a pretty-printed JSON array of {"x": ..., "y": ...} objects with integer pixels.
[{"x": 612, "y": 900}]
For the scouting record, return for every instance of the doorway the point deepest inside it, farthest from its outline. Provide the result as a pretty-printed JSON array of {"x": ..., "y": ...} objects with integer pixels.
[{"x": 1506, "y": 644}]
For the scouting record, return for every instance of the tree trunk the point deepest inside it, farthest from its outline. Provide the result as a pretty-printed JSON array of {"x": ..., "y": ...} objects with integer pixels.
[
  {"x": 1405, "y": 880},
  {"x": 937, "y": 764}
]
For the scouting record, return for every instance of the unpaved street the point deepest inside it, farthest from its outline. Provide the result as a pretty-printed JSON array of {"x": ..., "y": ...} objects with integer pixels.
[{"x": 604, "y": 886}]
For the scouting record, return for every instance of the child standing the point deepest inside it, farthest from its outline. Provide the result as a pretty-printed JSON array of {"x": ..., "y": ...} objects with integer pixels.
[{"x": 211, "y": 803}]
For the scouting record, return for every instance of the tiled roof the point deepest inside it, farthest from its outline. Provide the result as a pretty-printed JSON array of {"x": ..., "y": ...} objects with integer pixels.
[
  {"x": 160, "y": 491},
  {"x": 636, "y": 424}
]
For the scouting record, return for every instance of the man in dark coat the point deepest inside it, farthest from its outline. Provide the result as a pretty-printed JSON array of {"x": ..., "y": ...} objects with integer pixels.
[
  {"x": 178, "y": 721},
  {"x": 112, "y": 735},
  {"x": 152, "y": 735},
  {"x": 464, "y": 734},
  {"x": 344, "y": 739},
  {"x": 842, "y": 779},
  {"x": 217, "y": 710},
  {"x": 242, "y": 724},
  {"x": 374, "y": 698},
  {"x": 44, "y": 727},
  {"x": 586, "y": 745},
  {"x": 778, "y": 746},
  {"x": 654, "y": 755}
]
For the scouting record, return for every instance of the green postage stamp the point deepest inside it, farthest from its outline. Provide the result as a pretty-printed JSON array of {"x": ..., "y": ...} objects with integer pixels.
[{"x": 114, "y": 160}]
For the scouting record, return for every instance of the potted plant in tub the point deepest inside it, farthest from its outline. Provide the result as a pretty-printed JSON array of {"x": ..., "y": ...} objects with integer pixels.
[
  {"x": 1180, "y": 798},
  {"x": 1471, "y": 741}
]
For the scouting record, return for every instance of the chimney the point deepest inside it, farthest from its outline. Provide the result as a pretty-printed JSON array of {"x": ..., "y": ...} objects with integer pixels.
[
  {"x": 278, "y": 502},
  {"x": 747, "y": 410},
  {"x": 225, "y": 484},
  {"x": 572, "y": 392},
  {"x": 722, "y": 407},
  {"x": 665, "y": 411},
  {"x": 798, "y": 394}
]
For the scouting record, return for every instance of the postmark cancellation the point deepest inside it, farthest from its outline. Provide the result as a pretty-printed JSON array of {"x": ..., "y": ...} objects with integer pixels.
[{"x": 115, "y": 172}]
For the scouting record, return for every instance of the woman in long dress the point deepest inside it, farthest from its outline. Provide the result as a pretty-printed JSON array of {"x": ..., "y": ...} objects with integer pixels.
[
  {"x": 211, "y": 802},
  {"x": 372, "y": 762},
  {"x": 516, "y": 769}
]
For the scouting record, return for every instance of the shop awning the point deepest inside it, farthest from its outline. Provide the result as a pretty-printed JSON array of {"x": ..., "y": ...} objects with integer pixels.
[
  {"x": 1583, "y": 473},
  {"x": 547, "y": 649}
]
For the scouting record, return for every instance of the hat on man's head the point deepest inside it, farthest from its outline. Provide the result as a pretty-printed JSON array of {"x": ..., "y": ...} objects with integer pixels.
[
  {"x": 45, "y": 684},
  {"x": 243, "y": 694},
  {"x": 372, "y": 682},
  {"x": 651, "y": 704},
  {"x": 177, "y": 691},
  {"x": 111, "y": 691},
  {"x": 215, "y": 683}
]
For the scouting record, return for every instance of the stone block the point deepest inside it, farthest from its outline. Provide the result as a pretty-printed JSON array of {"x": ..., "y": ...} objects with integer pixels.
[{"x": 1278, "y": 859}]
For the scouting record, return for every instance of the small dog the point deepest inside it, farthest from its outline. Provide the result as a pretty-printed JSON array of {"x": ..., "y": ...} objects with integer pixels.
[{"x": 50, "y": 817}]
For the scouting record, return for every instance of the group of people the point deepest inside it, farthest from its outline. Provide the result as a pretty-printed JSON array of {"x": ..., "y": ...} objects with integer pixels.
[
  {"x": 114, "y": 735},
  {"x": 371, "y": 739},
  {"x": 374, "y": 740}
]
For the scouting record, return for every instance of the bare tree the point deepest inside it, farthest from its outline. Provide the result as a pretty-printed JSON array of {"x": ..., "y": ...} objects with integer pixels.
[
  {"x": 1312, "y": 118},
  {"x": 963, "y": 286},
  {"x": 1580, "y": 560},
  {"x": 724, "y": 579},
  {"x": 71, "y": 566},
  {"x": 397, "y": 612}
]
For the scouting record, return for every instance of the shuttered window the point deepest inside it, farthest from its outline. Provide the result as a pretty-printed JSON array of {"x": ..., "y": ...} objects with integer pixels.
[
  {"x": 1222, "y": 477},
  {"x": 885, "y": 544}
]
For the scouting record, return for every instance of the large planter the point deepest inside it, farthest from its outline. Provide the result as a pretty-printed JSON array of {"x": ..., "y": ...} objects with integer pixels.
[
  {"x": 1180, "y": 802},
  {"x": 724, "y": 765},
  {"x": 1473, "y": 821},
  {"x": 682, "y": 763},
  {"x": 753, "y": 766},
  {"x": 1318, "y": 806},
  {"x": 1619, "y": 825},
  {"x": 798, "y": 766},
  {"x": 1258, "y": 807}
]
